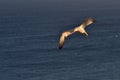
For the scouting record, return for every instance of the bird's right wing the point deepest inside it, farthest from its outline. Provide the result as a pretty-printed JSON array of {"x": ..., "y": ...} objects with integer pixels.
[{"x": 87, "y": 22}]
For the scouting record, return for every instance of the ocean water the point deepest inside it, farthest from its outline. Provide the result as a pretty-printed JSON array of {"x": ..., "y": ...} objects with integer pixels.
[{"x": 29, "y": 45}]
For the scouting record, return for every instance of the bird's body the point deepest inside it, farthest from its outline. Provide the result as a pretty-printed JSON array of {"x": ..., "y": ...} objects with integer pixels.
[{"x": 80, "y": 29}]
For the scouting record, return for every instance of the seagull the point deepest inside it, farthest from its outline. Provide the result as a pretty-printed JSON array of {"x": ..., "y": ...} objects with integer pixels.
[{"x": 80, "y": 29}]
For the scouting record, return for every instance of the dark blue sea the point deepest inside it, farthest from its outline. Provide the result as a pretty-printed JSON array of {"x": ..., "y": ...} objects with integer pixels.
[{"x": 29, "y": 40}]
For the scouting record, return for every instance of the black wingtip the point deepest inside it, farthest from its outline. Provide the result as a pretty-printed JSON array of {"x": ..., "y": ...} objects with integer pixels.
[{"x": 60, "y": 48}]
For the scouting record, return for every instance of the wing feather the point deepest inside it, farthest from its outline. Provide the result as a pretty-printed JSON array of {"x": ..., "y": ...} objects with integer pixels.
[
  {"x": 87, "y": 22},
  {"x": 63, "y": 37},
  {"x": 62, "y": 40}
]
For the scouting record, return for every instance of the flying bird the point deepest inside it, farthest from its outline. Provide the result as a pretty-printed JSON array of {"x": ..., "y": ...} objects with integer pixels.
[{"x": 80, "y": 29}]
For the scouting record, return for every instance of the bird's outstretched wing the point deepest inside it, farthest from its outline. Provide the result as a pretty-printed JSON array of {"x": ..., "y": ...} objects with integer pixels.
[
  {"x": 62, "y": 40},
  {"x": 63, "y": 37},
  {"x": 87, "y": 22}
]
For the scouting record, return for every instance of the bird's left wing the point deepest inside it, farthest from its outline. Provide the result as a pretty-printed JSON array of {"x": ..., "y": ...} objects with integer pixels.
[
  {"x": 62, "y": 40},
  {"x": 63, "y": 37}
]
